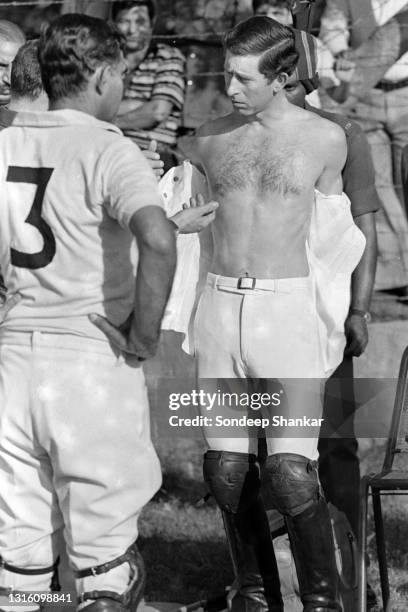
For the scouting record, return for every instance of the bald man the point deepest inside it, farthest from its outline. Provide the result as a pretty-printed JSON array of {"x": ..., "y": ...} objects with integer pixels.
[{"x": 11, "y": 39}]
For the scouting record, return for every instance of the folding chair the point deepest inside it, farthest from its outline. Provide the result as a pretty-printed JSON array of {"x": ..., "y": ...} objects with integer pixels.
[{"x": 388, "y": 482}]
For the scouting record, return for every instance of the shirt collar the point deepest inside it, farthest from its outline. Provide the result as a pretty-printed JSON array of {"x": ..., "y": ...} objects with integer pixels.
[{"x": 60, "y": 118}]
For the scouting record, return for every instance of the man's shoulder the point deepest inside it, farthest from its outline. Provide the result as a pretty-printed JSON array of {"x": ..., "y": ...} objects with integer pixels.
[
  {"x": 317, "y": 123},
  {"x": 350, "y": 127},
  {"x": 215, "y": 127},
  {"x": 164, "y": 52}
]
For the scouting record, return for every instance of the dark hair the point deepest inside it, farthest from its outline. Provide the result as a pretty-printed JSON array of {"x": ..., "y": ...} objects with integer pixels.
[
  {"x": 279, "y": 3},
  {"x": 126, "y": 5},
  {"x": 25, "y": 78},
  {"x": 71, "y": 49},
  {"x": 260, "y": 35}
]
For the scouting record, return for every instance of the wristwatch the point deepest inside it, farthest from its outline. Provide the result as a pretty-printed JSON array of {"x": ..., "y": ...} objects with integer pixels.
[{"x": 364, "y": 314}]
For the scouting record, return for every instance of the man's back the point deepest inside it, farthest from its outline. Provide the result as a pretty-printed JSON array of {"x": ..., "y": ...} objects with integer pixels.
[{"x": 65, "y": 245}]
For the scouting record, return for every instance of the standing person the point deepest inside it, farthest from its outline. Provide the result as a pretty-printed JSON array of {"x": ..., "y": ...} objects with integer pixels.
[
  {"x": 339, "y": 466},
  {"x": 75, "y": 441},
  {"x": 257, "y": 317},
  {"x": 11, "y": 39},
  {"x": 381, "y": 110},
  {"x": 154, "y": 93},
  {"x": 26, "y": 86}
]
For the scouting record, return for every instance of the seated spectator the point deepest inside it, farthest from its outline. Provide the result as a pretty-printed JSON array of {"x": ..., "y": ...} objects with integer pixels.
[
  {"x": 276, "y": 9},
  {"x": 11, "y": 39},
  {"x": 154, "y": 92}
]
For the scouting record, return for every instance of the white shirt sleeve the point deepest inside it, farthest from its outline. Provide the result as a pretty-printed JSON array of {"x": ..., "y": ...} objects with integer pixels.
[{"x": 129, "y": 183}]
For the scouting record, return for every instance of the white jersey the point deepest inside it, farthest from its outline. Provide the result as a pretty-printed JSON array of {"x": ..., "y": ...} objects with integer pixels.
[{"x": 69, "y": 186}]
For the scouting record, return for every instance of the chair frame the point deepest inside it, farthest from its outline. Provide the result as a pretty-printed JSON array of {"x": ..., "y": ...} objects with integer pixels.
[{"x": 379, "y": 485}]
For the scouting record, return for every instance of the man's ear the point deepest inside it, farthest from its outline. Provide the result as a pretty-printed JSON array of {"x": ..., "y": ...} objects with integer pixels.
[
  {"x": 101, "y": 78},
  {"x": 280, "y": 81}
]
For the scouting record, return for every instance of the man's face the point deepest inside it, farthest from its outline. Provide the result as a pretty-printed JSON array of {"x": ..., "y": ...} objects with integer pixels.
[
  {"x": 136, "y": 26},
  {"x": 279, "y": 13},
  {"x": 295, "y": 93},
  {"x": 113, "y": 92},
  {"x": 8, "y": 51},
  {"x": 249, "y": 91}
]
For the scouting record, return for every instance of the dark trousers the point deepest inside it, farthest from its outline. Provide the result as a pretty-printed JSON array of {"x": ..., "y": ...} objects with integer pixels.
[{"x": 339, "y": 466}]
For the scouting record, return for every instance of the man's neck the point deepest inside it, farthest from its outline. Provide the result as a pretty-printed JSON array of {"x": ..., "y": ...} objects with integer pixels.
[
  {"x": 79, "y": 104},
  {"x": 27, "y": 104},
  {"x": 275, "y": 110},
  {"x": 134, "y": 58}
]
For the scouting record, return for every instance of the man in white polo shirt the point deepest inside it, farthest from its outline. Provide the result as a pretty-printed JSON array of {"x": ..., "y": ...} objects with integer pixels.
[{"x": 75, "y": 443}]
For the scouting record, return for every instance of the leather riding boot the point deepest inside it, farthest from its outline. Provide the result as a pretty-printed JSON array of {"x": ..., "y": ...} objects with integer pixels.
[
  {"x": 254, "y": 562},
  {"x": 311, "y": 539},
  {"x": 234, "y": 480},
  {"x": 294, "y": 486}
]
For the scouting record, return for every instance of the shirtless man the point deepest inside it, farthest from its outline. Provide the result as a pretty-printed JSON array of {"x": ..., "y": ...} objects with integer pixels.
[{"x": 257, "y": 315}]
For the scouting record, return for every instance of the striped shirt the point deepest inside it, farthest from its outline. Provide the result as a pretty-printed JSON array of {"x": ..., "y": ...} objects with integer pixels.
[{"x": 160, "y": 76}]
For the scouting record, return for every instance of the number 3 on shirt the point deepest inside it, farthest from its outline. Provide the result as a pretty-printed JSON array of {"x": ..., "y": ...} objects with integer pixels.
[{"x": 39, "y": 177}]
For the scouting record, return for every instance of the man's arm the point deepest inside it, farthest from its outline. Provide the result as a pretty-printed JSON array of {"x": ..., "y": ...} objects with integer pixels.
[
  {"x": 157, "y": 263},
  {"x": 144, "y": 117},
  {"x": 362, "y": 284},
  {"x": 335, "y": 154},
  {"x": 155, "y": 237},
  {"x": 167, "y": 94}
]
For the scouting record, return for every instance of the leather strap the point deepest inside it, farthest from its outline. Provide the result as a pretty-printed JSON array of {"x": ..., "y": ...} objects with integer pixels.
[
  {"x": 28, "y": 572},
  {"x": 100, "y": 595},
  {"x": 105, "y": 567}
]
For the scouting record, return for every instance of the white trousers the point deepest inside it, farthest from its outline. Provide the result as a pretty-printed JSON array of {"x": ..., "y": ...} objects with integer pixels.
[
  {"x": 75, "y": 450},
  {"x": 268, "y": 332}
]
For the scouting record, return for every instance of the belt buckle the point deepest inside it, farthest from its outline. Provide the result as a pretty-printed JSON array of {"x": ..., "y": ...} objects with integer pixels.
[{"x": 246, "y": 282}]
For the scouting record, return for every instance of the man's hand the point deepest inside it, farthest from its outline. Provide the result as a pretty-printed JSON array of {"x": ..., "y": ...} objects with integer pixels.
[
  {"x": 356, "y": 332},
  {"x": 195, "y": 216},
  {"x": 7, "y": 302},
  {"x": 154, "y": 160},
  {"x": 344, "y": 68},
  {"x": 122, "y": 337}
]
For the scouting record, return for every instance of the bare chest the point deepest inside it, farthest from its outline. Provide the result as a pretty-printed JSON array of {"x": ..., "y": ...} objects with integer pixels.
[{"x": 261, "y": 167}]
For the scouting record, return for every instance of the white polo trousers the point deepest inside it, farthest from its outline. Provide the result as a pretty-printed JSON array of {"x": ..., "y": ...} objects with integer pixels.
[
  {"x": 75, "y": 450},
  {"x": 269, "y": 332}
]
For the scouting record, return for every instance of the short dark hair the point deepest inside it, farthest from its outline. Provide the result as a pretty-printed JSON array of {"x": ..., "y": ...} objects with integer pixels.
[
  {"x": 279, "y": 3},
  {"x": 263, "y": 36},
  {"x": 126, "y": 5},
  {"x": 71, "y": 49},
  {"x": 25, "y": 78}
]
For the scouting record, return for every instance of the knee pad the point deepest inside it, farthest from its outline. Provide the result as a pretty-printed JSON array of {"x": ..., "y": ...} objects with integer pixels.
[
  {"x": 232, "y": 478},
  {"x": 109, "y": 600},
  {"x": 292, "y": 481}
]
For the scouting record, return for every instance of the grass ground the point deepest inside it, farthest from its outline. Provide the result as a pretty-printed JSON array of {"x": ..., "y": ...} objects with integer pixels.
[{"x": 183, "y": 543}]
